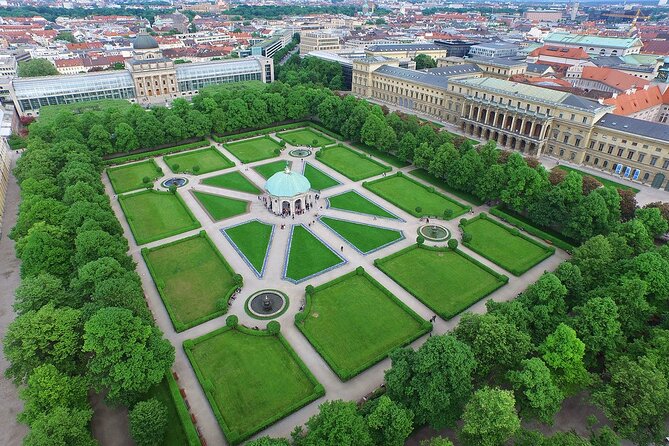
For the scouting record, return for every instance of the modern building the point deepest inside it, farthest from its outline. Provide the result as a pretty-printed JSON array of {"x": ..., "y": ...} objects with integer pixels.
[
  {"x": 493, "y": 50},
  {"x": 456, "y": 48},
  {"x": 270, "y": 46},
  {"x": 596, "y": 45},
  {"x": 407, "y": 50},
  {"x": 149, "y": 78},
  {"x": 7, "y": 65},
  {"x": 318, "y": 41}
]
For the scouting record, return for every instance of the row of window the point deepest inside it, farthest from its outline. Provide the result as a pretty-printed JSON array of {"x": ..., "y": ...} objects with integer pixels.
[
  {"x": 36, "y": 103},
  {"x": 407, "y": 92},
  {"x": 620, "y": 152}
]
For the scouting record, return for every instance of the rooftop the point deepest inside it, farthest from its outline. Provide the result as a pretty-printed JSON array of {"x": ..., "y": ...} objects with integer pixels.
[
  {"x": 579, "y": 39},
  {"x": 613, "y": 78},
  {"x": 405, "y": 47},
  {"x": 287, "y": 184},
  {"x": 419, "y": 77},
  {"x": 641, "y": 99},
  {"x": 558, "y": 51},
  {"x": 633, "y": 126},
  {"x": 531, "y": 92}
]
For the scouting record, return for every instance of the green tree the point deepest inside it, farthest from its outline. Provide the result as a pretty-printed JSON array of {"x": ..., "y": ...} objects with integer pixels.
[
  {"x": 66, "y": 36},
  {"x": 125, "y": 138},
  {"x": 536, "y": 392},
  {"x": 434, "y": 382},
  {"x": 94, "y": 244},
  {"x": 46, "y": 336},
  {"x": 45, "y": 249},
  {"x": 490, "y": 418},
  {"x": 389, "y": 422},
  {"x": 99, "y": 140},
  {"x": 127, "y": 355},
  {"x": 636, "y": 399},
  {"x": 267, "y": 441},
  {"x": 61, "y": 427},
  {"x": 563, "y": 353},
  {"x": 373, "y": 129},
  {"x": 596, "y": 324},
  {"x": 148, "y": 422},
  {"x": 424, "y": 61},
  {"x": 496, "y": 343},
  {"x": 36, "y": 291},
  {"x": 436, "y": 441},
  {"x": 337, "y": 422},
  {"x": 47, "y": 388},
  {"x": 652, "y": 218},
  {"x": 545, "y": 299},
  {"x": 407, "y": 147},
  {"x": 36, "y": 68}
]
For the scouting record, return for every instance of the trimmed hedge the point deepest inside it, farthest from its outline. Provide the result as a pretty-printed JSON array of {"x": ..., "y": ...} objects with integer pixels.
[
  {"x": 179, "y": 326},
  {"x": 345, "y": 376},
  {"x": 413, "y": 212},
  {"x": 501, "y": 278},
  {"x": 195, "y": 222},
  {"x": 548, "y": 238},
  {"x": 159, "y": 152},
  {"x": 184, "y": 416},
  {"x": 549, "y": 250},
  {"x": 233, "y": 437}
]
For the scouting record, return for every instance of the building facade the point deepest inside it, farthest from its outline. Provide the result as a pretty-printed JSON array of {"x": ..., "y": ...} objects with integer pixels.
[
  {"x": 494, "y": 49},
  {"x": 407, "y": 50},
  {"x": 149, "y": 78},
  {"x": 595, "y": 45},
  {"x": 318, "y": 41},
  {"x": 526, "y": 118}
]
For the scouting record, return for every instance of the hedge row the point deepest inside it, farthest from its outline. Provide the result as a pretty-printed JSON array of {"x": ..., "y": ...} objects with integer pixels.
[
  {"x": 548, "y": 250},
  {"x": 184, "y": 416},
  {"x": 549, "y": 238},
  {"x": 129, "y": 219},
  {"x": 178, "y": 325},
  {"x": 159, "y": 152},
  {"x": 232, "y": 436},
  {"x": 346, "y": 375}
]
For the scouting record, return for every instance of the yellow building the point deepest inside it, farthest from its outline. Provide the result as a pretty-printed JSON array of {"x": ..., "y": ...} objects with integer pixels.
[{"x": 404, "y": 51}]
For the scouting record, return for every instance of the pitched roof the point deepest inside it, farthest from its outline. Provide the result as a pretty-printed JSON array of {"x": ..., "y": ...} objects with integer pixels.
[
  {"x": 642, "y": 99},
  {"x": 419, "y": 77},
  {"x": 579, "y": 39},
  {"x": 657, "y": 47},
  {"x": 613, "y": 78},
  {"x": 634, "y": 126},
  {"x": 560, "y": 51}
]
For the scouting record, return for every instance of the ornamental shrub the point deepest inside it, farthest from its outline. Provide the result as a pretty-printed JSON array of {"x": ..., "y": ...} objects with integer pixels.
[
  {"x": 360, "y": 270},
  {"x": 448, "y": 213},
  {"x": 273, "y": 327},
  {"x": 420, "y": 240},
  {"x": 146, "y": 180},
  {"x": 196, "y": 169},
  {"x": 277, "y": 151},
  {"x": 300, "y": 317},
  {"x": 231, "y": 321},
  {"x": 314, "y": 142},
  {"x": 309, "y": 289},
  {"x": 222, "y": 304},
  {"x": 453, "y": 243},
  {"x": 237, "y": 279},
  {"x": 463, "y": 221},
  {"x": 419, "y": 209},
  {"x": 466, "y": 237},
  {"x": 173, "y": 189}
]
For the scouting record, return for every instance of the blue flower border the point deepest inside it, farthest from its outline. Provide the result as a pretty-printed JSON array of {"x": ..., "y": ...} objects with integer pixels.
[
  {"x": 259, "y": 274},
  {"x": 327, "y": 201},
  {"x": 287, "y": 254},
  {"x": 402, "y": 237},
  {"x": 304, "y": 166}
]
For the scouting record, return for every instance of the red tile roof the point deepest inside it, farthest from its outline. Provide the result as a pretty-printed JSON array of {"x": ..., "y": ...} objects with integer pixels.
[
  {"x": 659, "y": 47},
  {"x": 642, "y": 99},
  {"x": 557, "y": 51},
  {"x": 613, "y": 78}
]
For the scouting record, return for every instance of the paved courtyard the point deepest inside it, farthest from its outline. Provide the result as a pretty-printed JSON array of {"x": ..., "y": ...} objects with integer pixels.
[{"x": 353, "y": 389}]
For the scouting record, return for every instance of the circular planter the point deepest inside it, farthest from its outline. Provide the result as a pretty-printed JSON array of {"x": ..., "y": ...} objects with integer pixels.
[
  {"x": 266, "y": 304},
  {"x": 434, "y": 233}
]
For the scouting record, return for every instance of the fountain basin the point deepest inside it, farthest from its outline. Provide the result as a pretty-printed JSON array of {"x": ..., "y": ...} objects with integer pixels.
[
  {"x": 299, "y": 153},
  {"x": 434, "y": 233},
  {"x": 266, "y": 304},
  {"x": 174, "y": 181}
]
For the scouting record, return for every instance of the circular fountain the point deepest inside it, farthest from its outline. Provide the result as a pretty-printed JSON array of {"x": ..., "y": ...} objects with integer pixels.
[
  {"x": 266, "y": 304},
  {"x": 434, "y": 233},
  {"x": 174, "y": 181},
  {"x": 299, "y": 153}
]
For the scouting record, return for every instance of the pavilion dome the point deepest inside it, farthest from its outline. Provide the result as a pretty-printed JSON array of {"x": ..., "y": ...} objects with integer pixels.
[
  {"x": 144, "y": 42},
  {"x": 287, "y": 184}
]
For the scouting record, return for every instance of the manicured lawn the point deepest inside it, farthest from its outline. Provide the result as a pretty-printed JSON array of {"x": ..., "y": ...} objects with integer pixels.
[
  {"x": 318, "y": 179},
  {"x": 383, "y": 156},
  {"x": 305, "y": 137},
  {"x": 251, "y": 379},
  {"x": 269, "y": 169},
  {"x": 438, "y": 182},
  {"x": 308, "y": 256},
  {"x": 447, "y": 281},
  {"x": 498, "y": 243},
  {"x": 219, "y": 207},
  {"x": 353, "y": 165},
  {"x": 604, "y": 181},
  {"x": 209, "y": 160},
  {"x": 252, "y": 239},
  {"x": 254, "y": 149},
  {"x": 232, "y": 181},
  {"x": 129, "y": 177},
  {"x": 153, "y": 215},
  {"x": 354, "y": 202},
  {"x": 191, "y": 276},
  {"x": 354, "y": 322},
  {"x": 364, "y": 237},
  {"x": 408, "y": 195}
]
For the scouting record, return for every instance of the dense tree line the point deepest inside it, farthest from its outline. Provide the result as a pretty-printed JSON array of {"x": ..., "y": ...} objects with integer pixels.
[
  {"x": 82, "y": 319},
  {"x": 277, "y": 12},
  {"x": 279, "y": 55},
  {"x": 311, "y": 71},
  {"x": 36, "y": 67}
]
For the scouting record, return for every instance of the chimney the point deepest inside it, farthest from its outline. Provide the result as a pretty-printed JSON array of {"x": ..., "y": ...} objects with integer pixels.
[
  {"x": 601, "y": 101},
  {"x": 614, "y": 95}
]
